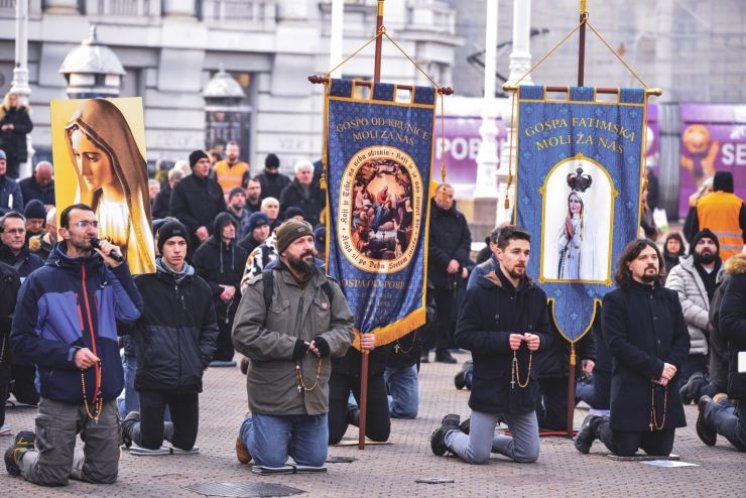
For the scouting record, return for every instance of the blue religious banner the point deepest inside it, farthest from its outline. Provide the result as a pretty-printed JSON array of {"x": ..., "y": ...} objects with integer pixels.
[
  {"x": 579, "y": 171},
  {"x": 378, "y": 154}
]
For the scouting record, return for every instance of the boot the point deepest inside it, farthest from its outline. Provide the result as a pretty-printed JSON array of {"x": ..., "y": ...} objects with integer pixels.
[
  {"x": 588, "y": 433},
  {"x": 438, "y": 438},
  {"x": 127, "y": 425},
  {"x": 461, "y": 380},
  {"x": 690, "y": 391},
  {"x": 706, "y": 433}
]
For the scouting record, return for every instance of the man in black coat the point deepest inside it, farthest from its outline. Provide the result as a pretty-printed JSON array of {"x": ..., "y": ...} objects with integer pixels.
[
  {"x": 162, "y": 204},
  {"x": 40, "y": 185},
  {"x": 304, "y": 194},
  {"x": 272, "y": 181},
  {"x": 644, "y": 329},
  {"x": 220, "y": 261},
  {"x": 9, "y": 285},
  {"x": 174, "y": 341},
  {"x": 197, "y": 199},
  {"x": 450, "y": 246},
  {"x": 503, "y": 322},
  {"x": 723, "y": 417}
]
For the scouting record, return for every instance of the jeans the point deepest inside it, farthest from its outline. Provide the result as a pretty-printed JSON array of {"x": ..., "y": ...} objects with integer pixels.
[
  {"x": 597, "y": 394},
  {"x": 130, "y": 402},
  {"x": 729, "y": 422},
  {"x": 54, "y": 459},
  {"x": 152, "y": 430},
  {"x": 404, "y": 391},
  {"x": 271, "y": 439},
  {"x": 522, "y": 447}
]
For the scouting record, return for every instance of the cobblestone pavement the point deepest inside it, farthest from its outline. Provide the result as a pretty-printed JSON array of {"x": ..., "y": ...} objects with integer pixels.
[{"x": 391, "y": 470}]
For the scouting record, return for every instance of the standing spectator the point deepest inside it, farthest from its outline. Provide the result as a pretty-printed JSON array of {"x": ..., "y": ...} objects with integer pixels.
[
  {"x": 230, "y": 172},
  {"x": 272, "y": 181},
  {"x": 65, "y": 322},
  {"x": 220, "y": 261},
  {"x": 14, "y": 251},
  {"x": 289, "y": 346},
  {"x": 174, "y": 341},
  {"x": 154, "y": 189},
  {"x": 271, "y": 207},
  {"x": 645, "y": 331},
  {"x": 253, "y": 195},
  {"x": 161, "y": 207},
  {"x": 450, "y": 245},
  {"x": 258, "y": 231},
  {"x": 653, "y": 188},
  {"x": 723, "y": 212},
  {"x": 259, "y": 258},
  {"x": 40, "y": 185},
  {"x": 36, "y": 216},
  {"x": 722, "y": 417},
  {"x": 303, "y": 194},
  {"x": 43, "y": 244},
  {"x": 673, "y": 250},
  {"x": 15, "y": 124},
  {"x": 9, "y": 285},
  {"x": 11, "y": 197},
  {"x": 239, "y": 213},
  {"x": 197, "y": 200}
]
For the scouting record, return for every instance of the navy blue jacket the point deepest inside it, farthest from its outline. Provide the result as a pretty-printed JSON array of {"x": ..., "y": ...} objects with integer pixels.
[
  {"x": 24, "y": 263},
  {"x": 70, "y": 304},
  {"x": 9, "y": 186}
]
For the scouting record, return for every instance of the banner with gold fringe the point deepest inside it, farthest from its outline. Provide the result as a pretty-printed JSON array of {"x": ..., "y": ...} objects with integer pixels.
[{"x": 378, "y": 154}]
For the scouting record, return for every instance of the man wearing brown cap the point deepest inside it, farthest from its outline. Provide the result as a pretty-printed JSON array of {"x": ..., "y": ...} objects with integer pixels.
[{"x": 289, "y": 335}]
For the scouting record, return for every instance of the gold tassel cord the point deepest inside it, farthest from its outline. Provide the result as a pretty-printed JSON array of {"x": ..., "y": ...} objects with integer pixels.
[{"x": 619, "y": 57}]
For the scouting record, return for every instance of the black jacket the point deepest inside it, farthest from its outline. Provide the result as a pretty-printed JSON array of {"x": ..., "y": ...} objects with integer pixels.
[
  {"x": 311, "y": 201},
  {"x": 175, "y": 336},
  {"x": 554, "y": 362},
  {"x": 162, "y": 205},
  {"x": 733, "y": 324},
  {"x": 220, "y": 264},
  {"x": 494, "y": 309},
  {"x": 24, "y": 263},
  {"x": 272, "y": 185},
  {"x": 718, "y": 361},
  {"x": 644, "y": 328},
  {"x": 13, "y": 142},
  {"x": 450, "y": 238},
  {"x": 9, "y": 285},
  {"x": 32, "y": 190},
  {"x": 196, "y": 202}
]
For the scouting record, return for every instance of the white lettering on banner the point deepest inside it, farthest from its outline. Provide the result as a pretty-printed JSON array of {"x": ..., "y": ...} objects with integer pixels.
[
  {"x": 459, "y": 148},
  {"x": 734, "y": 154}
]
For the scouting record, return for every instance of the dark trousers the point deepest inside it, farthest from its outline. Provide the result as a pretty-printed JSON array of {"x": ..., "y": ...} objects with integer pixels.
[
  {"x": 4, "y": 384},
  {"x": 441, "y": 333},
  {"x": 626, "y": 443},
  {"x": 224, "y": 350},
  {"x": 377, "y": 421},
  {"x": 695, "y": 363},
  {"x": 552, "y": 407},
  {"x": 728, "y": 422},
  {"x": 149, "y": 432},
  {"x": 23, "y": 384}
]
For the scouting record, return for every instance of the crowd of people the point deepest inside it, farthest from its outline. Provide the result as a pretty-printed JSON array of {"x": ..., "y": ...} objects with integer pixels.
[{"x": 239, "y": 268}]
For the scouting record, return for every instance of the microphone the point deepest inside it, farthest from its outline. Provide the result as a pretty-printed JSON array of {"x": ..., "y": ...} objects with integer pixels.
[{"x": 114, "y": 254}]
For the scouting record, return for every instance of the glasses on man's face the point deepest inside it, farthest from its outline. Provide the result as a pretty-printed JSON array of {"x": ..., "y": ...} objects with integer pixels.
[{"x": 85, "y": 224}]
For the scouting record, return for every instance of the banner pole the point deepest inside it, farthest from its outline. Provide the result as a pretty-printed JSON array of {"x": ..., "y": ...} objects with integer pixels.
[
  {"x": 581, "y": 43},
  {"x": 571, "y": 392}
]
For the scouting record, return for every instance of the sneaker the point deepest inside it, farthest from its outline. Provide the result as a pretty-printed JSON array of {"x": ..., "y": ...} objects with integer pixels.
[
  {"x": 24, "y": 441},
  {"x": 444, "y": 356},
  {"x": 242, "y": 452},
  {"x": 587, "y": 433},
  {"x": 690, "y": 389},
  {"x": 438, "y": 438},
  {"x": 460, "y": 379},
  {"x": 707, "y": 434},
  {"x": 244, "y": 365},
  {"x": 5, "y": 430},
  {"x": 130, "y": 420}
]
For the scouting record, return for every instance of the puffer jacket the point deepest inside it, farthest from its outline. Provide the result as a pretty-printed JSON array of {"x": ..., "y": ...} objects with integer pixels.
[
  {"x": 269, "y": 336},
  {"x": 695, "y": 303},
  {"x": 175, "y": 337},
  {"x": 733, "y": 324}
]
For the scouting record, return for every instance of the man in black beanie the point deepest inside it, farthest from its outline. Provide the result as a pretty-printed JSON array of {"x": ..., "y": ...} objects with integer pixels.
[
  {"x": 272, "y": 180},
  {"x": 197, "y": 200},
  {"x": 723, "y": 212}
]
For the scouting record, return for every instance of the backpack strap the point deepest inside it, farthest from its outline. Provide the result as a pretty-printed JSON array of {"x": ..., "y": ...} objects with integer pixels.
[{"x": 268, "y": 279}]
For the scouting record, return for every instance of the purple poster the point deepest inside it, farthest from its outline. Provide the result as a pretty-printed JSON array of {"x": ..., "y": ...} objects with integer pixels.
[{"x": 713, "y": 138}]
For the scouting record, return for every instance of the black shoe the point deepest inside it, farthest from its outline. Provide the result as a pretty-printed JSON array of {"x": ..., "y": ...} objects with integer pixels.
[
  {"x": 707, "y": 434},
  {"x": 244, "y": 365},
  {"x": 690, "y": 391},
  {"x": 444, "y": 357},
  {"x": 465, "y": 426},
  {"x": 460, "y": 379},
  {"x": 438, "y": 438},
  {"x": 587, "y": 433},
  {"x": 23, "y": 442},
  {"x": 130, "y": 420},
  {"x": 352, "y": 415}
]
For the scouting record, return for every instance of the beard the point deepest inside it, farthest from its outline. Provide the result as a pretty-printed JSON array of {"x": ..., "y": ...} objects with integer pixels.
[
  {"x": 301, "y": 265},
  {"x": 705, "y": 258},
  {"x": 516, "y": 274}
]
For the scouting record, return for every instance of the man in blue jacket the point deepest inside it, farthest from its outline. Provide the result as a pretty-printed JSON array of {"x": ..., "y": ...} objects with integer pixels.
[{"x": 65, "y": 323}]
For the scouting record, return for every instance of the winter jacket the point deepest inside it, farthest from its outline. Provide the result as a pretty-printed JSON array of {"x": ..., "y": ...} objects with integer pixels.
[
  {"x": 13, "y": 142},
  {"x": 11, "y": 197},
  {"x": 269, "y": 338},
  {"x": 196, "y": 202},
  {"x": 32, "y": 190},
  {"x": 24, "y": 262},
  {"x": 9, "y": 285},
  {"x": 450, "y": 238},
  {"x": 68, "y": 304},
  {"x": 493, "y": 310},
  {"x": 272, "y": 185},
  {"x": 695, "y": 303},
  {"x": 643, "y": 327},
  {"x": 733, "y": 324},
  {"x": 175, "y": 336},
  {"x": 311, "y": 201},
  {"x": 717, "y": 367},
  {"x": 161, "y": 207},
  {"x": 221, "y": 264}
]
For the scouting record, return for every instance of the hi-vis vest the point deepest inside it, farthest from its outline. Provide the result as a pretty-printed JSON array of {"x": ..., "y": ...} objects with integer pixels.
[
  {"x": 230, "y": 177},
  {"x": 719, "y": 211}
]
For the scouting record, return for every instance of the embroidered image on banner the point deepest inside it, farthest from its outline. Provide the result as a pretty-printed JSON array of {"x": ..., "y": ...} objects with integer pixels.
[
  {"x": 378, "y": 158},
  {"x": 580, "y": 163}
]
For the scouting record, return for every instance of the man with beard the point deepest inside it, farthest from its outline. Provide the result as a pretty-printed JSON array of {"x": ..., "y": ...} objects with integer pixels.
[
  {"x": 695, "y": 280},
  {"x": 272, "y": 181},
  {"x": 253, "y": 196},
  {"x": 289, "y": 330},
  {"x": 231, "y": 172},
  {"x": 504, "y": 323},
  {"x": 646, "y": 334},
  {"x": 239, "y": 213}
]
